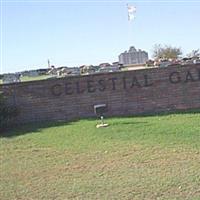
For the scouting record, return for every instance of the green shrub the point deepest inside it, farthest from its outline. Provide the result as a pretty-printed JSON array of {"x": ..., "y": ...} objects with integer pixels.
[{"x": 6, "y": 112}]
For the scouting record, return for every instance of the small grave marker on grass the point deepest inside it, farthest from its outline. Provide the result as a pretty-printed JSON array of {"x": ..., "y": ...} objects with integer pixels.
[{"x": 100, "y": 110}]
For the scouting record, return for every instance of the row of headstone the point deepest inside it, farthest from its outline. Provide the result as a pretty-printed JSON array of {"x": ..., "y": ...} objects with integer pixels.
[{"x": 11, "y": 78}]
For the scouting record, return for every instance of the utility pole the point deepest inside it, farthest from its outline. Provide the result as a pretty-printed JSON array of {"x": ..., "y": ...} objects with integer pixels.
[{"x": 48, "y": 63}]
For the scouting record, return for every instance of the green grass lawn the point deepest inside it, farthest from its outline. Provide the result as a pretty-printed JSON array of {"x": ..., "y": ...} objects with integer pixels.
[
  {"x": 152, "y": 157},
  {"x": 36, "y": 78}
]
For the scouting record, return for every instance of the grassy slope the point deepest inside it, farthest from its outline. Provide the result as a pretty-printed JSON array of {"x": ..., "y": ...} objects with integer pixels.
[
  {"x": 134, "y": 158},
  {"x": 26, "y": 78}
]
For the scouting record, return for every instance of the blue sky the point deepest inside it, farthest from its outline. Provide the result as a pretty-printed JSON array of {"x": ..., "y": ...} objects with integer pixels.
[{"x": 73, "y": 33}]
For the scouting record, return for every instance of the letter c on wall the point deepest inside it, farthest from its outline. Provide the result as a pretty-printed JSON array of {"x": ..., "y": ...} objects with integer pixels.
[
  {"x": 56, "y": 90},
  {"x": 174, "y": 77}
]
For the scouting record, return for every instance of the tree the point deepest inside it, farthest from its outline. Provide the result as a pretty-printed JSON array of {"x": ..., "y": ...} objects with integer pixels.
[
  {"x": 194, "y": 53},
  {"x": 166, "y": 52}
]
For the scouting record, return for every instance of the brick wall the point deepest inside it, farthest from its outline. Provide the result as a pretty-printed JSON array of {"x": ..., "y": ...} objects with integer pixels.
[{"x": 124, "y": 93}]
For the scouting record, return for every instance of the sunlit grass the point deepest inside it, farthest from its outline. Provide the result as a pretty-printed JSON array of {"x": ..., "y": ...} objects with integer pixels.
[
  {"x": 154, "y": 157},
  {"x": 36, "y": 78}
]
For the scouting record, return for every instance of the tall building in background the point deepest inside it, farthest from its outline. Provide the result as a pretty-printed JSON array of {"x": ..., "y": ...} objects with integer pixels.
[{"x": 133, "y": 56}]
